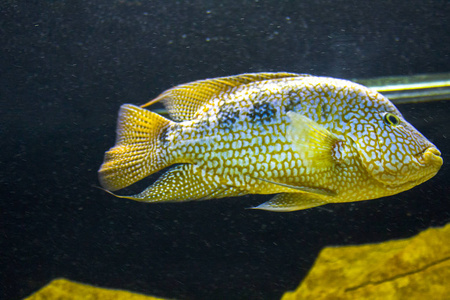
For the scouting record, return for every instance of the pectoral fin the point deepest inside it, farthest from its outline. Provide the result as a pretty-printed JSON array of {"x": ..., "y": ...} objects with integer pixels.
[
  {"x": 291, "y": 202},
  {"x": 312, "y": 141}
]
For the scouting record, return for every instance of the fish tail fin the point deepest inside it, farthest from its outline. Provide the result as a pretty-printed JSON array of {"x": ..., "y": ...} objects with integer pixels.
[{"x": 140, "y": 150}]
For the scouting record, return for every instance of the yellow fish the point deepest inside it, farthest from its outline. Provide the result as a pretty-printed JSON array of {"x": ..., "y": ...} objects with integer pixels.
[{"x": 310, "y": 140}]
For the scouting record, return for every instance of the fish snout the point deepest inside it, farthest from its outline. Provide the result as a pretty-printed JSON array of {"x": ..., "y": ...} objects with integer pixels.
[{"x": 432, "y": 156}]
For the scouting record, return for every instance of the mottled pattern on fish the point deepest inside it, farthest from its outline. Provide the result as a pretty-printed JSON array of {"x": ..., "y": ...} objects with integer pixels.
[{"x": 311, "y": 140}]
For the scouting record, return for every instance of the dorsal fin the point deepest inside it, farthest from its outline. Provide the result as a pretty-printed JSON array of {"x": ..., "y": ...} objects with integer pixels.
[{"x": 183, "y": 101}]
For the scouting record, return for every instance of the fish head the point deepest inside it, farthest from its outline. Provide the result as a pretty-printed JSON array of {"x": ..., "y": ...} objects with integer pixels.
[{"x": 391, "y": 150}]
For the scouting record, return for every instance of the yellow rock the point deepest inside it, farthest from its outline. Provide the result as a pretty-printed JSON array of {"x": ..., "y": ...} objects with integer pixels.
[
  {"x": 63, "y": 289},
  {"x": 414, "y": 268}
]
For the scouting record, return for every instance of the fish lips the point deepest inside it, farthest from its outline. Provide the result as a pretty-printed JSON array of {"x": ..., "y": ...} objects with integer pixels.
[{"x": 430, "y": 156}]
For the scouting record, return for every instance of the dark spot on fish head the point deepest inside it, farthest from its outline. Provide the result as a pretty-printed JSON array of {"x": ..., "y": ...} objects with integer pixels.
[{"x": 262, "y": 111}]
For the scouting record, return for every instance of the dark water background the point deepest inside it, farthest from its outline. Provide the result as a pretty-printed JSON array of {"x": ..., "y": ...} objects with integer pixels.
[{"x": 67, "y": 66}]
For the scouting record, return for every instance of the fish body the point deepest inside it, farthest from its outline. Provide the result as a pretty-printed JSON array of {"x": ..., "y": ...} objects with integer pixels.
[{"x": 310, "y": 140}]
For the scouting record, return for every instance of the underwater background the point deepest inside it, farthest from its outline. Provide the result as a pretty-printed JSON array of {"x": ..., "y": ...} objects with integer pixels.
[{"x": 67, "y": 66}]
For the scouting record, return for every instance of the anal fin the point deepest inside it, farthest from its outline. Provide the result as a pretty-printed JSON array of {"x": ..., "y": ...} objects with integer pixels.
[
  {"x": 291, "y": 202},
  {"x": 184, "y": 183},
  {"x": 180, "y": 183}
]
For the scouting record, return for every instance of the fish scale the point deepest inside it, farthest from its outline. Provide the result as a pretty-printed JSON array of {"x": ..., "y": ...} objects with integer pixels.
[{"x": 310, "y": 140}]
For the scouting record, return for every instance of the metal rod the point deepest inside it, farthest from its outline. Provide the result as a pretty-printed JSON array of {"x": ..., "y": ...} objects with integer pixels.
[{"x": 411, "y": 89}]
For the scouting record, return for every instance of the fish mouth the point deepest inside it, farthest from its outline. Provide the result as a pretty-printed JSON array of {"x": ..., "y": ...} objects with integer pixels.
[
  {"x": 428, "y": 163},
  {"x": 429, "y": 156}
]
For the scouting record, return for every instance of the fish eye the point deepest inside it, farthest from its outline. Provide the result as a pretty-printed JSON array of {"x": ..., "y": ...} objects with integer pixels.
[{"x": 391, "y": 119}]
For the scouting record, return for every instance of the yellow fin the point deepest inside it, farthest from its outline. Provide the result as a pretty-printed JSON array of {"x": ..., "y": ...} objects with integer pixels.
[
  {"x": 291, "y": 202},
  {"x": 181, "y": 183},
  {"x": 183, "y": 101},
  {"x": 139, "y": 150},
  {"x": 312, "y": 141},
  {"x": 305, "y": 189}
]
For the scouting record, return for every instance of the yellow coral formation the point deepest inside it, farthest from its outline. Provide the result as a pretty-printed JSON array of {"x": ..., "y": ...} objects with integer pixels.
[
  {"x": 414, "y": 268},
  {"x": 63, "y": 289}
]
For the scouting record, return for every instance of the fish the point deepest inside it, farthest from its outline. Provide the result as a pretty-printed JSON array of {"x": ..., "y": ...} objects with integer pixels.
[{"x": 308, "y": 140}]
